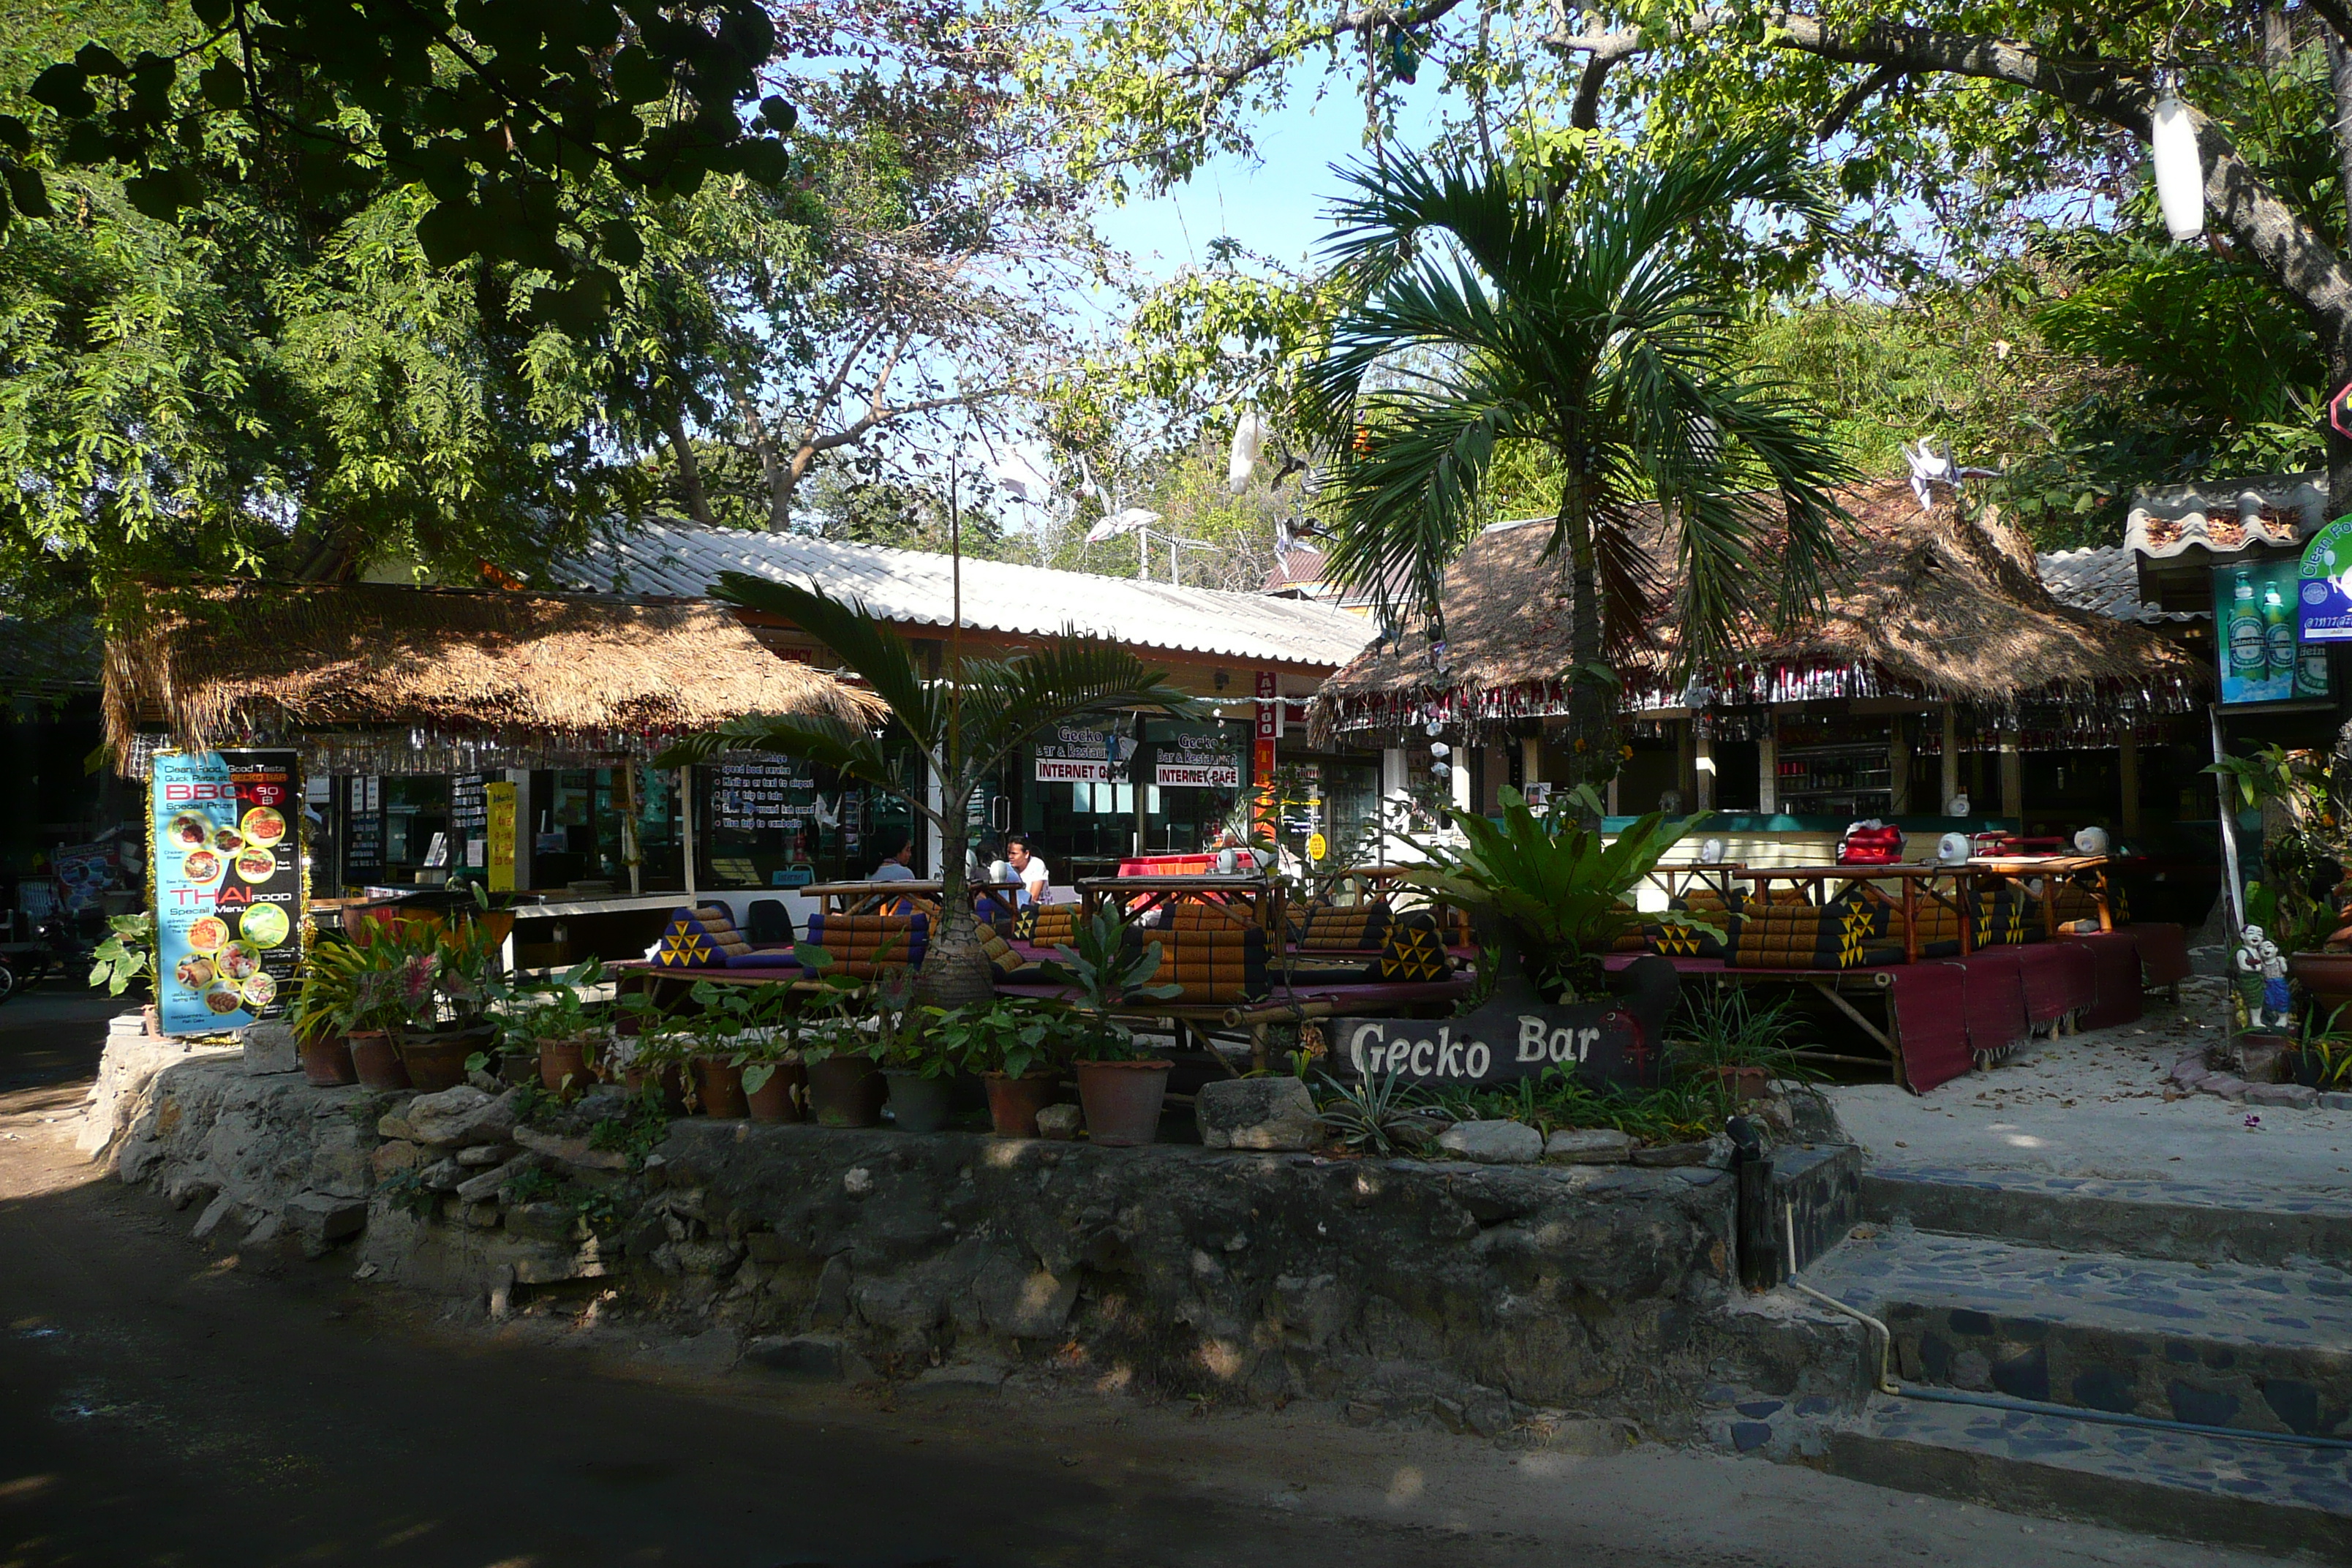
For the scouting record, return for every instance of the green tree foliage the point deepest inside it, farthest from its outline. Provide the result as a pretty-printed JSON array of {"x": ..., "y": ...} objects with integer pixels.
[{"x": 534, "y": 124}]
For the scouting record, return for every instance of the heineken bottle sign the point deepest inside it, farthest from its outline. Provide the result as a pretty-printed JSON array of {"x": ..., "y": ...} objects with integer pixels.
[{"x": 2324, "y": 585}]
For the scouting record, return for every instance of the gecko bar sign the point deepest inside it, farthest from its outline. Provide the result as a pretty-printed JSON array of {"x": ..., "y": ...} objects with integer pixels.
[{"x": 1515, "y": 1036}]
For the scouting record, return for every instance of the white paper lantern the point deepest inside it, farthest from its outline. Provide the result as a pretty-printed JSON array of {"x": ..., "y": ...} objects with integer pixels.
[
  {"x": 2179, "y": 173},
  {"x": 1249, "y": 441}
]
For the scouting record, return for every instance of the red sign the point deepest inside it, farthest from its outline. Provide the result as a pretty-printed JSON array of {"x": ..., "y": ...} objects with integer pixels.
[
  {"x": 1269, "y": 710},
  {"x": 1261, "y": 763}
]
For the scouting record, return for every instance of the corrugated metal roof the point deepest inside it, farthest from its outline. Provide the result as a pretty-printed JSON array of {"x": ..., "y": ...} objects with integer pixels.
[
  {"x": 2275, "y": 510},
  {"x": 2103, "y": 580},
  {"x": 907, "y": 585}
]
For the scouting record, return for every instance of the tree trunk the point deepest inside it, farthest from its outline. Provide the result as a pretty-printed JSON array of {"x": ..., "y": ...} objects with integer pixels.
[
  {"x": 1591, "y": 703},
  {"x": 956, "y": 970},
  {"x": 690, "y": 471}
]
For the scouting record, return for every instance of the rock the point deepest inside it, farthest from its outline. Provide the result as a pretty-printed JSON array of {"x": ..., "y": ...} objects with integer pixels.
[
  {"x": 2191, "y": 1072},
  {"x": 1416, "y": 1131},
  {"x": 2296, "y": 1094},
  {"x": 462, "y": 1117},
  {"x": 1061, "y": 1121},
  {"x": 441, "y": 1176},
  {"x": 219, "y": 1209},
  {"x": 484, "y": 1187},
  {"x": 573, "y": 1151},
  {"x": 486, "y": 1082},
  {"x": 809, "y": 1358},
  {"x": 2261, "y": 1059},
  {"x": 393, "y": 1124},
  {"x": 390, "y": 1159},
  {"x": 1673, "y": 1154},
  {"x": 1024, "y": 1302},
  {"x": 269, "y": 1047},
  {"x": 1588, "y": 1146},
  {"x": 482, "y": 1154},
  {"x": 319, "y": 1221},
  {"x": 713, "y": 1257},
  {"x": 477, "y": 1216},
  {"x": 2223, "y": 1085},
  {"x": 1493, "y": 1142},
  {"x": 1257, "y": 1113},
  {"x": 542, "y": 1222},
  {"x": 2335, "y": 1100}
]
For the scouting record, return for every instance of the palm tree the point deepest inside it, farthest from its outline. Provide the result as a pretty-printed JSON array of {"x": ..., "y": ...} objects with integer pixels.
[
  {"x": 1482, "y": 313},
  {"x": 964, "y": 726}
]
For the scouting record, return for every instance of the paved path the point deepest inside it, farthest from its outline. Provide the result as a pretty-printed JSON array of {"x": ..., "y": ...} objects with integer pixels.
[{"x": 166, "y": 1403}]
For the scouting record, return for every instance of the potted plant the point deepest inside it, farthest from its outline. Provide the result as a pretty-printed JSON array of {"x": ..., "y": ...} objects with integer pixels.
[
  {"x": 352, "y": 989},
  {"x": 775, "y": 1083},
  {"x": 431, "y": 983},
  {"x": 919, "y": 1063},
  {"x": 319, "y": 1012},
  {"x": 1015, "y": 1047},
  {"x": 1122, "y": 1085},
  {"x": 718, "y": 1031},
  {"x": 1724, "y": 1036},
  {"x": 845, "y": 1087},
  {"x": 552, "y": 1023},
  {"x": 128, "y": 954},
  {"x": 652, "y": 1063}
]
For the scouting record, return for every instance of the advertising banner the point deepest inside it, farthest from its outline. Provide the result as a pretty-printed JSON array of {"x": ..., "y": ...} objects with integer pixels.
[
  {"x": 2324, "y": 580},
  {"x": 502, "y": 829},
  {"x": 1084, "y": 751},
  {"x": 2255, "y": 607},
  {"x": 1206, "y": 758},
  {"x": 228, "y": 887}
]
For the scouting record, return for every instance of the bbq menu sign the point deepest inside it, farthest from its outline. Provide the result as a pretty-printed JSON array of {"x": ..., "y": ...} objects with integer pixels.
[{"x": 228, "y": 885}]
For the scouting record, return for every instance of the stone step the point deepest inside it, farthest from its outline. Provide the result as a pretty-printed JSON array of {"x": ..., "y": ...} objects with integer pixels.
[
  {"x": 2231, "y": 1491},
  {"x": 2218, "y": 1344},
  {"x": 2183, "y": 1220}
]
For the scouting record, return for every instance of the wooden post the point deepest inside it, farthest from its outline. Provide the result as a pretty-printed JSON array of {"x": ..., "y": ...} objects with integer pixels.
[
  {"x": 2012, "y": 779},
  {"x": 1767, "y": 766},
  {"x": 1530, "y": 761},
  {"x": 1951, "y": 770},
  {"x": 1898, "y": 766},
  {"x": 1703, "y": 765},
  {"x": 2128, "y": 769},
  {"x": 1685, "y": 773}
]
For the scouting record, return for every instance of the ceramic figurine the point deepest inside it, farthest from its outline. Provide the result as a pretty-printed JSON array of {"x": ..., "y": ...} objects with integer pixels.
[{"x": 2261, "y": 971}]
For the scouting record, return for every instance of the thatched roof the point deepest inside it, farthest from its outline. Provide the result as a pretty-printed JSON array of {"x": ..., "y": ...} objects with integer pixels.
[
  {"x": 1933, "y": 607},
  {"x": 374, "y": 677}
]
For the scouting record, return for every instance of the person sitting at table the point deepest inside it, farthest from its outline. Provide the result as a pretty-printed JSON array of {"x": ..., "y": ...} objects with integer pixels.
[
  {"x": 897, "y": 848},
  {"x": 1029, "y": 869}
]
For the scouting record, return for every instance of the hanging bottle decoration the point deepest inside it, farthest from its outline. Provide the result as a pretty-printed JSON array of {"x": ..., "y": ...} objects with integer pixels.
[{"x": 2180, "y": 171}]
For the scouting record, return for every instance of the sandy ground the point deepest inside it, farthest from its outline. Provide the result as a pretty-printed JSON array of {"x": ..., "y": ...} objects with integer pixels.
[
  {"x": 2098, "y": 1104},
  {"x": 164, "y": 1401}
]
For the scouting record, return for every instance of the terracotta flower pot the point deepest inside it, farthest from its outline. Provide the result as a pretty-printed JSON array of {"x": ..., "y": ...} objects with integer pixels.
[
  {"x": 718, "y": 1085},
  {"x": 845, "y": 1091},
  {"x": 376, "y": 1060},
  {"x": 1013, "y": 1102},
  {"x": 1122, "y": 1100},
  {"x": 782, "y": 1097},
  {"x": 436, "y": 1062},
  {"x": 920, "y": 1104},
  {"x": 2327, "y": 977},
  {"x": 564, "y": 1067},
  {"x": 327, "y": 1062},
  {"x": 1746, "y": 1083},
  {"x": 670, "y": 1075}
]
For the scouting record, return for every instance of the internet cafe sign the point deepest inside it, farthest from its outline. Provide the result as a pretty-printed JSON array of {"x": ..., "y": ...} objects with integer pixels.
[
  {"x": 1082, "y": 753},
  {"x": 1199, "y": 759}
]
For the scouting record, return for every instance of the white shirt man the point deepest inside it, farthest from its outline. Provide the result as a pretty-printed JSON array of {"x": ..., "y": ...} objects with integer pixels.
[{"x": 1035, "y": 875}]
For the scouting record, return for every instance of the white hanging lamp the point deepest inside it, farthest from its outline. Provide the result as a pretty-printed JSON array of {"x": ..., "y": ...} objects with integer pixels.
[{"x": 2180, "y": 171}]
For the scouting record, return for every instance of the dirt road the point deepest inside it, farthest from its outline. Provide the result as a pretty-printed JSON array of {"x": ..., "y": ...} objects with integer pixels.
[{"x": 163, "y": 1402}]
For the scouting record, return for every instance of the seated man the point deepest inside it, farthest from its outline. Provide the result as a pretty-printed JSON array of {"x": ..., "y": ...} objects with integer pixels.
[{"x": 1029, "y": 869}]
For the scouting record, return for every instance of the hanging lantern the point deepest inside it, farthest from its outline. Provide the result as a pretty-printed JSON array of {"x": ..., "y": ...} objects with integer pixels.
[
  {"x": 1249, "y": 441},
  {"x": 2180, "y": 171}
]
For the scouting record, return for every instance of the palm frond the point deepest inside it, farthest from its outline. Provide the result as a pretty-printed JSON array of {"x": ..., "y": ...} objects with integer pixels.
[
  {"x": 1008, "y": 702},
  {"x": 860, "y": 640}
]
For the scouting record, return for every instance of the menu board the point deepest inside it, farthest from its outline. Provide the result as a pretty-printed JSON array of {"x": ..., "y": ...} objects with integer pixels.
[
  {"x": 362, "y": 827},
  {"x": 1084, "y": 751},
  {"x": 469, "y": 806},
  {"x": 228, "y": 887},
  {"x": 772, "y": 792},
  {"x": 1206, "y": 758}
]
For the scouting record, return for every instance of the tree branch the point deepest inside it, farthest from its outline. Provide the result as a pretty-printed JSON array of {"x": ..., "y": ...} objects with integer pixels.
[{"x": 1862, "y": 93}]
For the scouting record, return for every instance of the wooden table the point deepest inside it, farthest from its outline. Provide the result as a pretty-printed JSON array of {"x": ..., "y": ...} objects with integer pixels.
[
  {"x": 865, "y": 898},
  {"x": 1916, "y": 880},
  {"x": 2088, "y": 872}
]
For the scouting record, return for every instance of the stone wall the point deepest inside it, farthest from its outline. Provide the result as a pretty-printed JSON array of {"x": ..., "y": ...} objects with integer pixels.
[{"x": 1407, "y": 1290}]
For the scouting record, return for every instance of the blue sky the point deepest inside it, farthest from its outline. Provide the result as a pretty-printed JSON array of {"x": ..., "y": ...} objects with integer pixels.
[{"x": 1274, "y": 206}]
